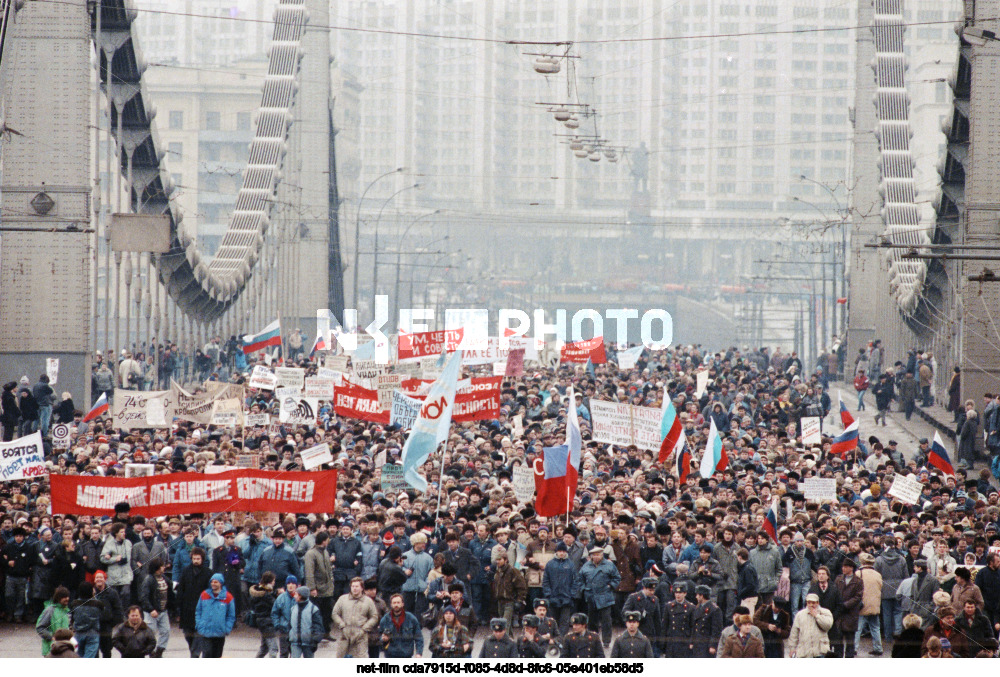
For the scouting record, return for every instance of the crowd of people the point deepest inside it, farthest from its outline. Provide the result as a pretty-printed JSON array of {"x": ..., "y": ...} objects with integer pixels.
[{"x": 650, "y": 560}]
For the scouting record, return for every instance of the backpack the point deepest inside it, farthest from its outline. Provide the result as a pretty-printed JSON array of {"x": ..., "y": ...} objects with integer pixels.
[
  {"x": 250, "y": 618},
  {"x": 861, "y": 382}
]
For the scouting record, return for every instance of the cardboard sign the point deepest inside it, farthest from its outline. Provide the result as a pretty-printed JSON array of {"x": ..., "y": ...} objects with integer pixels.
[
  {"x": 251, "y": 461},
  {"x": 368, "y": 369},
  {"x": 298, "y": 410},
  {"x": 23, "y": 458},
  {"x": 313, "y": 457},
  {"x": 133, "y": 409},
  {"x": 811, "y": 431},
  {"x": 257, "y": 419},
  {"x": 627, "y": 359},
  {"x": 519, "y": 425},
  {"x": 60, "y": 436},
  {"x": 701, "y": 382},
  {"x": 405, "y": 410},
  {"x": 523, "y": 483},
  {"x": 821, "y": 489},
  {"x": 52, "y": 369},
  {"x": 290, "y": 377},
  {"x": 624, "y": 424},
  {"x": 318, "y": 387},
  {"x": 514, "y": 366},
  {"x": 140, "y": 470},
  {"x": 263, "y": 378},
  {"x": 392, "y": 479},
  {"x": 228, "y": 413},
  {"x": 385, "y": 385},
  {"x": 336, "y": 363},
  {"x": 494, "y": 351},
  {"x": 906, "y": 489}
]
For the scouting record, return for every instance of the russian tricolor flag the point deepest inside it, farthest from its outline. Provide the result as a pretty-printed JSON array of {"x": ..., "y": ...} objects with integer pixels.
[
  {"x": 319, "y": 344},
  {"x": 271, "y": 336},
  {"x": 937, "y": 457},
  {"x": 715, "y": 458},
  {"x": 845, "y": 416},
  {"x": 670, "y": 429},
  {"x": 99, "y": 409},
  {"x": 770, "y": 525},
  {"x": 845, "y": 441},
  {"x": 683, "y": 459}
]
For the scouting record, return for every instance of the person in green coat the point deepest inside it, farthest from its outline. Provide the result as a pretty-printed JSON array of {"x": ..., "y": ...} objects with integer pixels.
[{"x": 54, "y": 616}]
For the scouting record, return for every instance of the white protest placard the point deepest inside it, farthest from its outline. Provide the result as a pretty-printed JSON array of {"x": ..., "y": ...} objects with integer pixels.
[
  {"x": 820, "y": 489},
  {"x": 140, "y": 470},
  {"x": 429, "y": 371},
  {"x": 519, "y": 425},
  {"x": 263, "y": 378},
  {"x": 500, "y": 368},
  {"x": 257, "y": 420},
  {"x": 248, "y": 461},
  {"x": 623, "y": 424},
  {"x": 225, "y": 419},
  {"x": 811, "y": 432},
  {"x": 22, "y": 458},
  {"x": 132, "y": 409},
  {"x": 523, "y": 481},
  {"x": 228, "y": 413},
  {"x": 313, "y": 457},
  {"x": 318, "y": 387},
  {"x": 216, "y": 469},
  {"x": 367, "y": 369},
  {"x": 298, "y": 410},
  {"x": 627, "y": 359},
  {"x": 409, "y": 369},
  {"x": 60, "y": 436},
  {"x": 52, "y": 369},
  {"x": 701, "y": 382},
  {"x": 906, "y": 489},
  {"x": 386, "y": 385},
  {"x": 404, "y": 411},
  {"x": 392, "y": 481},
  {"x": 290, "y": 377},
  {"x": 336, "y": 363}
]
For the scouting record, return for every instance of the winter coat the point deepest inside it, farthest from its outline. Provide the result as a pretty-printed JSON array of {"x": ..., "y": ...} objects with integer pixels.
[
  {"x": 988, "y": 581},
  {"x": 463, "y": 561},
  {"x": 215, "y": 614},
  {"x": 370, "y": 553},
  {"x": 90, "y": 551},
  {"x": 67, "y": 568},
  {"x": 729, "y": 565},
  {"x": 119, "y": 573},
  {"x": 851, "y": 592},
  {"x": 960, "y": 594},
  {"x": 871, "y": 596},
  {"x": 62, "y": 649},
  {"x": 53, "y": 617},
  {"x": 87, "y": 617},
  {"x": 509, "y": 585},
  {"x": 421, "y": 563},
  {"x": 959, "y": 642},
  {"x": 808, "y": 637},
  {"x": 391, "y": 578},
  {"x": 627, "y": 560},
  {"x": 252, "y": 550},
  {"x": 282, "y": 562},
  {"x": 735, "y": 647},
  {"x": 354, "y": 616},
  {"x": 281, "y": 612},
  {"x": 773, "y": 641},
  {"x": 597, "y": 583},
  {"x": 42, "y": 577},
  {"x": 909, "y": 390},
  {"x": 922, "y": 596},
  {"x": 111, "y": 614},
  {"x": 11, "y": 412},
  {"x": 482, "y": 551},
  {"x": 319, "y": 571},
  {"x": 306, "y": 625},
  {"x": 977, "y": 629},
  {"x": 746, "y": 582},
  {"x": 557, "y": 581},
  {"x": 134, "y": 642},
  {"x": 348, "y": 554},
  {"x": 149, "y": 595},
  {"x": 142, "y": 555},
  {"x": 800, "y": 562},
  {"x": 954, "y": 389},
  {"x": 766, "y": 561},
  {"x": 967, "y": 436},
  {"x": 403, "y": 641},
  {"x": 892, "y": 566},
  {"x": 23, "y": 557},
  {"x": 261, "y": 602},
  {"x": 193, "y": 582}
]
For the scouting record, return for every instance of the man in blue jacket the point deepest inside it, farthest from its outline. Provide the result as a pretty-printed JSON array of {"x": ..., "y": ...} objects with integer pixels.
[
  {"x": 400, "y": 631},
  {"x": 557, "y": 586},
  {"x": 346, "y": 555},
  {"x": 279, "y": 559},
  {"x": 215, "y": 617},
  {"x": 281, "y": 615},
  {"x": 305, "y": 628},
  {"x": 598, "y": 579},
  {"x": 253, "y": 546}
]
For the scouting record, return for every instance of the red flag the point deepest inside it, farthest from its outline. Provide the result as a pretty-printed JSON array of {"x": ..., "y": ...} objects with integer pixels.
[{"x": 555, "y": 482}]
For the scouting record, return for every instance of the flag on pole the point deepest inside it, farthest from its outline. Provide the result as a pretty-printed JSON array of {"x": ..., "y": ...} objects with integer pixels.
[
  {"x": 845, "y": 441},
  {"x": 271, "y": 336},
  {"x": 937, "y": 457},
  {"x": 670, "y": 430},
  {"x": 554, "y": 486},
  {"x": 771, "y": 521},
  {"x": 574, "y": 439},
  {"x": 715, "y": 458},
  {"x": 318, "y": 344},
  {"x": 99, "y": 409},
  {"x": 845, "y": 416},
  {"x": 431, "y": 427},
  {"x": 683, "y": 461}
]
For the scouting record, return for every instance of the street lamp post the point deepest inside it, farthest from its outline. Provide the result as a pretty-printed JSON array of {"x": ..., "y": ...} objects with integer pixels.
[
  {"x": 399, "y": 250},
  {"x": 357, "y": 228},
  {"x": 375, "y": 248}
]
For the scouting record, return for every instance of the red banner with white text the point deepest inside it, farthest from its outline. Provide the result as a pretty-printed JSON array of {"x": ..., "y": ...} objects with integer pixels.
[
  {"x": 581, "y": 351},
  {"x": 354, "y": 401},
  {"x": 428, "y": 343},
  {"x": 185, "y": 493}
]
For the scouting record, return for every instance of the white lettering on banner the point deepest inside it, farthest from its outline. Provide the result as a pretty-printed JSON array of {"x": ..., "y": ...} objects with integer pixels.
[
  {"x": 493, "y": 352},
  {"x": 190, "y": 492},
  {"x": 313, "y": 457},
  {"x": 811, "y": 430},
  {"x": 523, "y": 481},
  {"x": 319, "y": 387},
  {"x": 104, "y": 498},
  {"x": 275, "y": 490},
  {"x": 263, "y": 378},
  {"x": 22, "y": 458},
  {"x": 624, "y": 424},
  {"x": 822, "y": 489},
  {"x": 906, "y": 489},
  {"x": 290, "y": 377},
  {"x": 404, "y": 410}
]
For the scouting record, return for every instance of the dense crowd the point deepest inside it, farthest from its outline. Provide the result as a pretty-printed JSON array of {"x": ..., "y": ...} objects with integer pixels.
[{"x": 642, "y": 565}]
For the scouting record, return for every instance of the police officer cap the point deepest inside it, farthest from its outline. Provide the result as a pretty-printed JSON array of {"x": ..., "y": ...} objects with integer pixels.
[
  {"x": 703, "y": 590},
  {"x": 531, "y": 621},
  {"x": 679, "y": 587},
  {"x": 578, "y": 619},
  {"x": 541, "y": 601},
  {"x": 498, "y": 624},
  {"x": 649, "y": 582},
  {"x": 633, "y": 616}
]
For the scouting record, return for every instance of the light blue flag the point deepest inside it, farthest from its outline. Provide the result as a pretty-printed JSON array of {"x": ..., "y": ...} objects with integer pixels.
[
  {"x": 431, "y": 427},
  {"x": 365, "y": 351}
]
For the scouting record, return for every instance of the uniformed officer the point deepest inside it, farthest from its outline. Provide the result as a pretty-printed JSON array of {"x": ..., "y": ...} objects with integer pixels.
[
  {"x": 548, "y": 627},
  {"x": 530, "y": 645},
  {"x": 647, "y": 604},
  {"x": 499, "y": 645},
  {"x": 707, "y": 626},
  {"x": 678, "y": 618},
  {"x": 632, "y": 643},
  {"x": 581, "y": 642}
]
